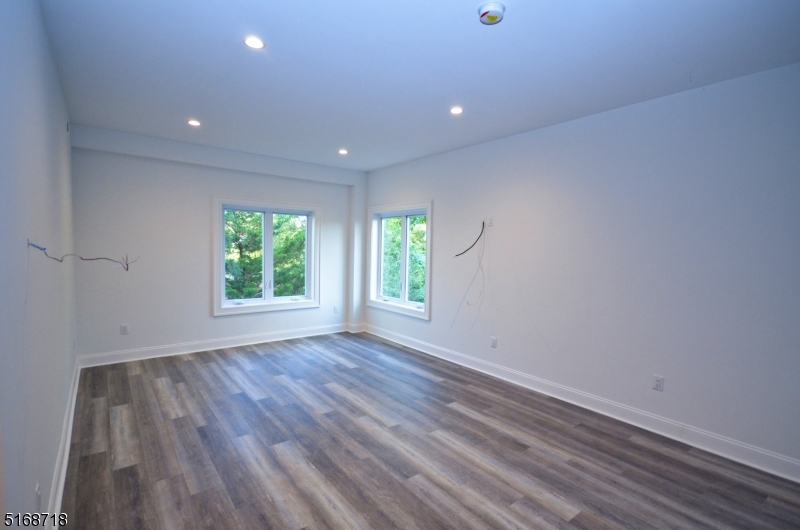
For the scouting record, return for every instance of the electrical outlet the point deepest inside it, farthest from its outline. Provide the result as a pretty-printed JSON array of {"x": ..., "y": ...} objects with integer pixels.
[
  {"x": 336, "y": 309},
  {"x": 490, "y": 221},
  {"x": 658, "y": 383},
  {"x": 494, "y": 342},
  {"x": 123, "y": 329}
]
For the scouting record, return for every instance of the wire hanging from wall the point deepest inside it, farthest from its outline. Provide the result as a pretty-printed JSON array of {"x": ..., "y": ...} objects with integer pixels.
[
  {"x": 483, "y": 227},
  {"x": 479, "y": 273},
  {"x": 125, "y": 262}
]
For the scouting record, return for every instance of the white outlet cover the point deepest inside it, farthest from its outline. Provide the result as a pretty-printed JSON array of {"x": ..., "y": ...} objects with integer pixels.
[{"x": 658, "y": 383}]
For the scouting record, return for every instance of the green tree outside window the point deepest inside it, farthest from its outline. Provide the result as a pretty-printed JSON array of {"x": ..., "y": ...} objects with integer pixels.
[
  {"x": 289, "y": 254},
  {"x": 244, "y": 254},
  {"x": 391, "y": 245},
  {"x": 416, "y": 258},
  {"x": 392, "y": 266}
]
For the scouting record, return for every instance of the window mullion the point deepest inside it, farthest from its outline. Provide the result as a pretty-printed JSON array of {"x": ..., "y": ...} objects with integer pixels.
[
  {"x": 309, "y": 235},
  {"x": 404, "y": 259},
  {"x": 267, "y": 259},
  {"x": 379, "y": 260}
]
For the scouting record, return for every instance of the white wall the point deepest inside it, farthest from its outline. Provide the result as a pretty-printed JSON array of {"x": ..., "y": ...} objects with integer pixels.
[
  {"x": 37, "y": 313},
  {"x": 2, "y": 478},
  {"x": 661, "y": 238},
  {"x": 356, "y": 255},
  {"x": 160, "y": 211}
]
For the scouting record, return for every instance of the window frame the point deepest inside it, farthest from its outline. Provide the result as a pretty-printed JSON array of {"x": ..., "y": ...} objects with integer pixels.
[
  {"x": 223, "y": 307},
  {"x": 375, "y": 298}
]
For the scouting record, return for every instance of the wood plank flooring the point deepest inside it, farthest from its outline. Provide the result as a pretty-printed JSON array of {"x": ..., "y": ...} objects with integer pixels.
[{"x": 349, "y": 431}]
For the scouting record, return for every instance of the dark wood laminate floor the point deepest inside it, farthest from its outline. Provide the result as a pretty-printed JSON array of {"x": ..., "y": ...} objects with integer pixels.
[{"x": 349, "y": 431}]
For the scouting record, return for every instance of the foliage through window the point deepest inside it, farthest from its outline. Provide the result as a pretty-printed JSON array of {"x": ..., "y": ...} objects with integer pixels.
[
  {"x": 289, "y": 254},
  {"x": 391, "y": 246},
  {"x": 244, "y": 254},
  {"x": 264, "y": 257},
  {"x": 400, "y": 260}
]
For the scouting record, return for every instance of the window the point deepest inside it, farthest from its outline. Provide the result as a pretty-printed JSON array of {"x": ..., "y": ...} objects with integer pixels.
[
  {"x": 400, "y": 259},
  {"x": 264, "y": 257}
]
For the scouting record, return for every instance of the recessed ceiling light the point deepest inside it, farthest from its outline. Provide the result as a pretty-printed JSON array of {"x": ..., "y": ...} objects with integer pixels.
[
  {"x": 194, "y": 123},
  {"x": 456, "y": 110},
  {"x": 254, "y": 42},
  {"x": 342, "y": 151}
]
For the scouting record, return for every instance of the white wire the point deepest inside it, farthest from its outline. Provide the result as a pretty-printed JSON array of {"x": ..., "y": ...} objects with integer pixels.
[{"x": 480, "y": 270}]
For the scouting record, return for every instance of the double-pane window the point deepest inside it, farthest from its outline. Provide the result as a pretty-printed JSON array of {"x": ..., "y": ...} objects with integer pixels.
[
  {"x": 400, "y": 260},
  {"x": 251, "y": 273},
  {"x": 264, "y": 258},
  {"x": 403, "y": 253}
]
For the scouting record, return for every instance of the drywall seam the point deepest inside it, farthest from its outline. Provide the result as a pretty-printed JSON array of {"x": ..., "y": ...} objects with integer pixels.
[
  {"x": 60, "y": 475},
  {"x": 138, "y": 354},
  {"x": 757, "y": 457}
]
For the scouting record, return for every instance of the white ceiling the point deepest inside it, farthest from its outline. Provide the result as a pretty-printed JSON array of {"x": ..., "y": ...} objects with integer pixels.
[{"x": 379, "y": 77}]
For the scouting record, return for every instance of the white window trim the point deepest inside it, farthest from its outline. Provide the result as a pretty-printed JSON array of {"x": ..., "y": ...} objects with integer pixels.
[
  {"x": 221, "y": 307},
  {"x": 376, "y": 213}
]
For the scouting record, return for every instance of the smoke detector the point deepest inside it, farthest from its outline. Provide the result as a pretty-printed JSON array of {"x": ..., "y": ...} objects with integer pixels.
[{"x": 491, "y": 13}]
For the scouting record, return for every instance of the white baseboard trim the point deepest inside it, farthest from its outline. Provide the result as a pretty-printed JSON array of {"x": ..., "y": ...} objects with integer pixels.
[
  {"x": 759, "y": 458},
  {"x": 138, "y": 354},
  {"x": 60, "y": 474},
  {"x": 356, "y": 328}
]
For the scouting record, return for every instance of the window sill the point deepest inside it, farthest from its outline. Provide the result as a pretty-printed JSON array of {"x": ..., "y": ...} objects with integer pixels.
[
  {"x": 233, "y": 308},
  {"x": 408, "y": 309}
]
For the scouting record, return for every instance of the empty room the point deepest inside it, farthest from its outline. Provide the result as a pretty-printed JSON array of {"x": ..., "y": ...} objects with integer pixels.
[{"x": 337, "y": 265}]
